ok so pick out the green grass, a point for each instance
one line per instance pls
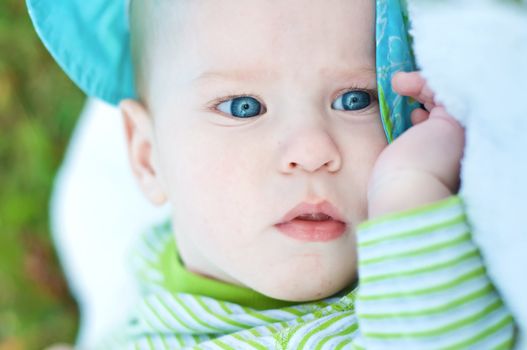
(38, 110)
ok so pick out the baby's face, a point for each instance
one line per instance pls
(259, 106)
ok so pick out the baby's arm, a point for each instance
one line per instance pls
(423, 284)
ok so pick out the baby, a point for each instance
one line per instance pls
(259, 123)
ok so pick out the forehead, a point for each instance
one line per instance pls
(276, 36)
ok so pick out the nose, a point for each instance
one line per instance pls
(310, 150)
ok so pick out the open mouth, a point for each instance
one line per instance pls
(314, 217)
(313, 223)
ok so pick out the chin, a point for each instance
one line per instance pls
(308, 287)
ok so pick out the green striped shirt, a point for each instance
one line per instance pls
(422, 285)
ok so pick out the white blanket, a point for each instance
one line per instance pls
(474, 55)
(97, 213)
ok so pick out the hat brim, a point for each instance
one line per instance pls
(90, 41)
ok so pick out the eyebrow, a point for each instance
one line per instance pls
(362, 73)
(234, 75)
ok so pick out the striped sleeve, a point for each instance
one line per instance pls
(423, 284)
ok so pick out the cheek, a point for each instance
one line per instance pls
(365, 159)
(367, 142)
(213, 179)
(362, 146)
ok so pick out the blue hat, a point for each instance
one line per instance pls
(90, 41)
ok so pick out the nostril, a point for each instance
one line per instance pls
(332, 166)
(292, 165)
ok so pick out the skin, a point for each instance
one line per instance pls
(229, 181)
(423, 165)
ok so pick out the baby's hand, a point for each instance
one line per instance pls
(422, 166)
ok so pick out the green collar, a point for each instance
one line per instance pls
(179, 280)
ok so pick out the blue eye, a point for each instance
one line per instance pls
(241, 107)
(352, 101)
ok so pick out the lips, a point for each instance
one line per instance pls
(320, 222)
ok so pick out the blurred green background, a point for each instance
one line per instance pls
(38, 110)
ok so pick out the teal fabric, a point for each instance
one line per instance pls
(394, 54)
(90, 41)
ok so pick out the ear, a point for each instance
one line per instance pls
(140, 143)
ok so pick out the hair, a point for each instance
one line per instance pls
(151, 28)
(141, 31)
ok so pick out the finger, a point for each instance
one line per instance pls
(427, 94)
(429, 106)
(419, 115)
(441, 113)
(414, 85)
(408, 84)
